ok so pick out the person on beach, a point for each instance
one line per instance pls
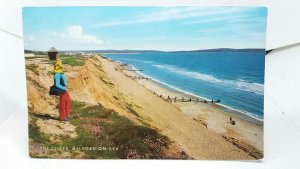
(169, 99)
(232, 121)
(60, 88)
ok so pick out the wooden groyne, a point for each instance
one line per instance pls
(183, 99)
(137, 77)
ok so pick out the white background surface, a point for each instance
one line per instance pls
(282, 94)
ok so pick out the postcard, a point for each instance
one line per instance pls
(155, 82)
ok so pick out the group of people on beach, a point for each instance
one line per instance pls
(60, 86)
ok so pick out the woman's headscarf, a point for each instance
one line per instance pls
(58, 67)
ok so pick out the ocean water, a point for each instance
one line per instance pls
(236, 78)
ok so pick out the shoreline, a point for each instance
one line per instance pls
(101, 81)
(214, 116)
(192, 95)
(247, 115)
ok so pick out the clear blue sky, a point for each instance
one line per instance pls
(158, 28)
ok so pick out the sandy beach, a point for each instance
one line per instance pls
(194, 130)
(146, 82)
(216, 117)
(202, 129)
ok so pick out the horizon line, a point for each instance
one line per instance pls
(150, 49)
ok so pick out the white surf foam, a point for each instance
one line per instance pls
(237, 84)
(254, 116)
(192, 94)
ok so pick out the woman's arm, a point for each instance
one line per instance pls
(57, 77)
(64, 79)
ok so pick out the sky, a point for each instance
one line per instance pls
(144, 28)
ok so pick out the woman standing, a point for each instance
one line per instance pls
(60, 88)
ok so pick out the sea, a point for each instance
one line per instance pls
(234, 77)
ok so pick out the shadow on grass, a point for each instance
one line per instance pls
(43, 116)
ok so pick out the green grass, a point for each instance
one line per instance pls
(73, 60)
(66, 59)
(34, 132)
(133, 141)
(66, 56)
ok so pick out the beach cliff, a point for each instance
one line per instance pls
(115, 116)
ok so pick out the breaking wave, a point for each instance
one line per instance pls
(237, 84)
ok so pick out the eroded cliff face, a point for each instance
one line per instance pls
(91, 91)
(87, 83)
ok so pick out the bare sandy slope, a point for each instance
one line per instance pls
(88, 84)
(215, 116)
(190, 134)
(101, 81)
